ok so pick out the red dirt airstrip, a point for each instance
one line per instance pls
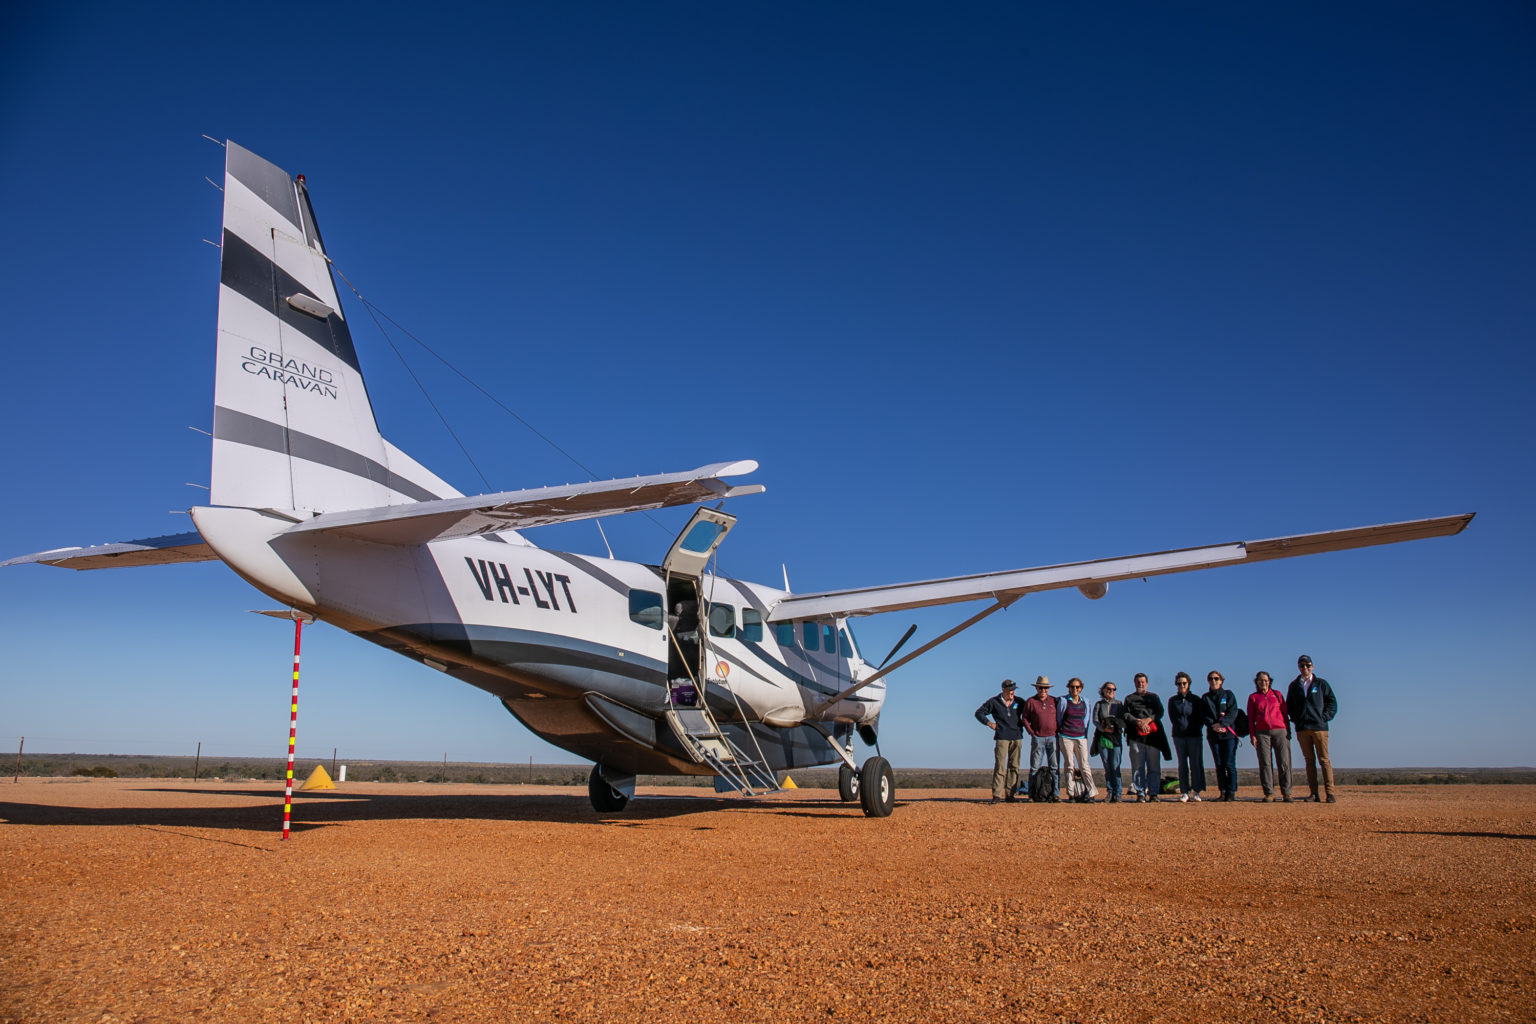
(170, 901)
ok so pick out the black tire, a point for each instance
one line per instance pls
(605, 799)
(847, 784)
(877, 788)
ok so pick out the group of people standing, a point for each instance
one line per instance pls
(1064, 730)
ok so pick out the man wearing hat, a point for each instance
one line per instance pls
(1040, 723)
(1311, 704)
(1004, 716)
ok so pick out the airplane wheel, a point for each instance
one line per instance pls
(877, 788)
(847, 784)
(605, 799)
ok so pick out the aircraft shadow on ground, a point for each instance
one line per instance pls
(322, 810)
(1458, 835)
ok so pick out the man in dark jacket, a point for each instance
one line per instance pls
(1186, 721)
(1144, 737)
(1002, 714)
(1311, 705)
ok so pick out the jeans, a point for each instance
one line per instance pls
(1146, 768)
(1005, 767)
(1191, 757)
(1042, 750)
(1073, 751)
(1273, 745)
(1224, 755)
(1110, 759)
(1314, 747)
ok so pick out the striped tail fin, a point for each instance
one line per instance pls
(292, 424)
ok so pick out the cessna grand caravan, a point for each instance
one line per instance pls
(639, 668)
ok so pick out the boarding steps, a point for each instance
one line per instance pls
(700, 735)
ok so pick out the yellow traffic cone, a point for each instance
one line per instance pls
(318, 779)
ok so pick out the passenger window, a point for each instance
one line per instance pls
(809, 635)
(752, 625)
(829, 639)
(645, 608)
(784, 633)
(844, 646)
(722, 620)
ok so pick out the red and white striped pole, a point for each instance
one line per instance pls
(293, 722)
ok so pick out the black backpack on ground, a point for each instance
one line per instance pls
(1042, 785)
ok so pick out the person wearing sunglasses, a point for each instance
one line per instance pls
(1312, 705)
(1221, 734)
(1186, 721)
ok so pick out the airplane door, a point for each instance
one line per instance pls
(691, 552)
(682, 569)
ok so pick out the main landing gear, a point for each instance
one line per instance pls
(873, 786)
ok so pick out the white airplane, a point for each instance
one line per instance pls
(641, 668)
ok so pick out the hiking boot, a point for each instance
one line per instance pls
(1268, 799)
(1330, 799)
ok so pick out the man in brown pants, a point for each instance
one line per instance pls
(1312, 705)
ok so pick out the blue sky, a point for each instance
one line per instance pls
(980, 286)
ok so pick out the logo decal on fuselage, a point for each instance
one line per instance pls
(271, 365)
(495, 581)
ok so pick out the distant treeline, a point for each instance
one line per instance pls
(138, 766)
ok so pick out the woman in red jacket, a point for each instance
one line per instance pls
(1269, 730)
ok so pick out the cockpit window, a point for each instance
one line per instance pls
(858, 648)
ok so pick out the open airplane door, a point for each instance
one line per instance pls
(687, 710)
(682, 570)
(692, 550)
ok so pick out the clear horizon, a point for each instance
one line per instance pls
(980, 289)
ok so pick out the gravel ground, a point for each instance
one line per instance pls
(142, 900)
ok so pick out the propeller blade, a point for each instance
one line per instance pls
(904, 638)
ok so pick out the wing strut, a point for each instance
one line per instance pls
(1002, 602)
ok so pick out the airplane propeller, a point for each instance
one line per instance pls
(899, 643)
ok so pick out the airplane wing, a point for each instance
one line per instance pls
(443, 519)
(178, 547)
(1092, 577)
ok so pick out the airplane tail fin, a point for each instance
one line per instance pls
(292, 425)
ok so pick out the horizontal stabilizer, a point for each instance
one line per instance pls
(448, 518)
(1007, 586)
(178, 547)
